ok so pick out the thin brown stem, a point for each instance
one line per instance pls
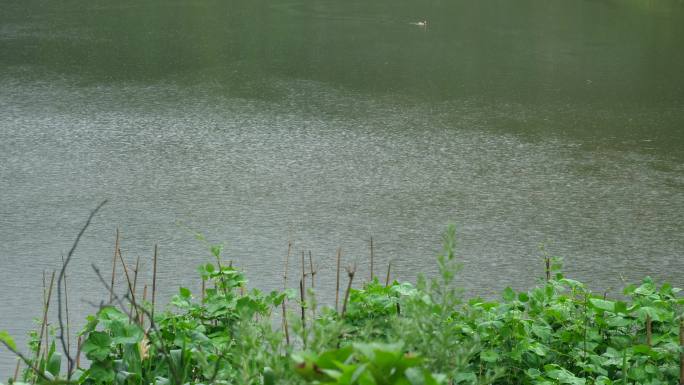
(303, 274)
(128, 280)
(287, 261)
(313, 286)
(135, 282)
(547, 262)
(337, 281)
(350, 273)
(372, 256)
(44, 324)
(301, 304)
(154, 278)
(204, 288)
(313, 273)
(16, 371)
(39, 349)
(116, 250)
(135, 274)
(144, 299)
(62, 273)
(66, 310)
(79, 343)
(387, 278)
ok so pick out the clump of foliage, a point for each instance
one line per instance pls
(556, 333)
(365, 364)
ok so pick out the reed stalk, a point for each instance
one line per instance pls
(337, 281)
(204, 288)
(144, 299)
(116, 250)
(79, 343)
(350, 273)
(649, 331)
(135, 274)
(372, 255)
(130, 285)
(301, 299)
(387, 278)
(43, 325)
(154, 281)
(16, 371)
(135, 283)
(284, 305)
(313, 286)
(40, 337)
(313, 273)
(303, 275)
(66, 309)
(547, 262)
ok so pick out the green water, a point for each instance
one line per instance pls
(323, 122)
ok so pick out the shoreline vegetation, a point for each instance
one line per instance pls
(385, 332)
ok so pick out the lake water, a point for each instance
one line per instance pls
(325, 122)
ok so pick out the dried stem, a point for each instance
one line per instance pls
(204, 288)
(313, 286)
(66, 311)
(130, 284)
(351, 270)
(303, 288)
(135, 275)
(62, 272)
(547, 262)
(287, 261)
(135, 283)
(79, 343)
(313, 272)
(337, 281)
(387, 278)
(372, 255)
(301, 298)
(43, 325)
(144, 299)
(154, 279)
(16, 371)
(116, 250)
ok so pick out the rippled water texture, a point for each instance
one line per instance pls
(326, 122)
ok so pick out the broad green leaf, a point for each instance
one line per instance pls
(54, 363)
(6, 338)
(97, 346)
(602, 304)
(489, 356)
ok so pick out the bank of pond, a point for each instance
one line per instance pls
(559, 332)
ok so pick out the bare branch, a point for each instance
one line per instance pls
(59, 288)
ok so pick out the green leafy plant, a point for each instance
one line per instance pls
(367, 364)
(558, 332)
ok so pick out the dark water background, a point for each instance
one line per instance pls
(324, 122)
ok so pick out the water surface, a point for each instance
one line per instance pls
(325, 122)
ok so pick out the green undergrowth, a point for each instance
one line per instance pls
(415, 334)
